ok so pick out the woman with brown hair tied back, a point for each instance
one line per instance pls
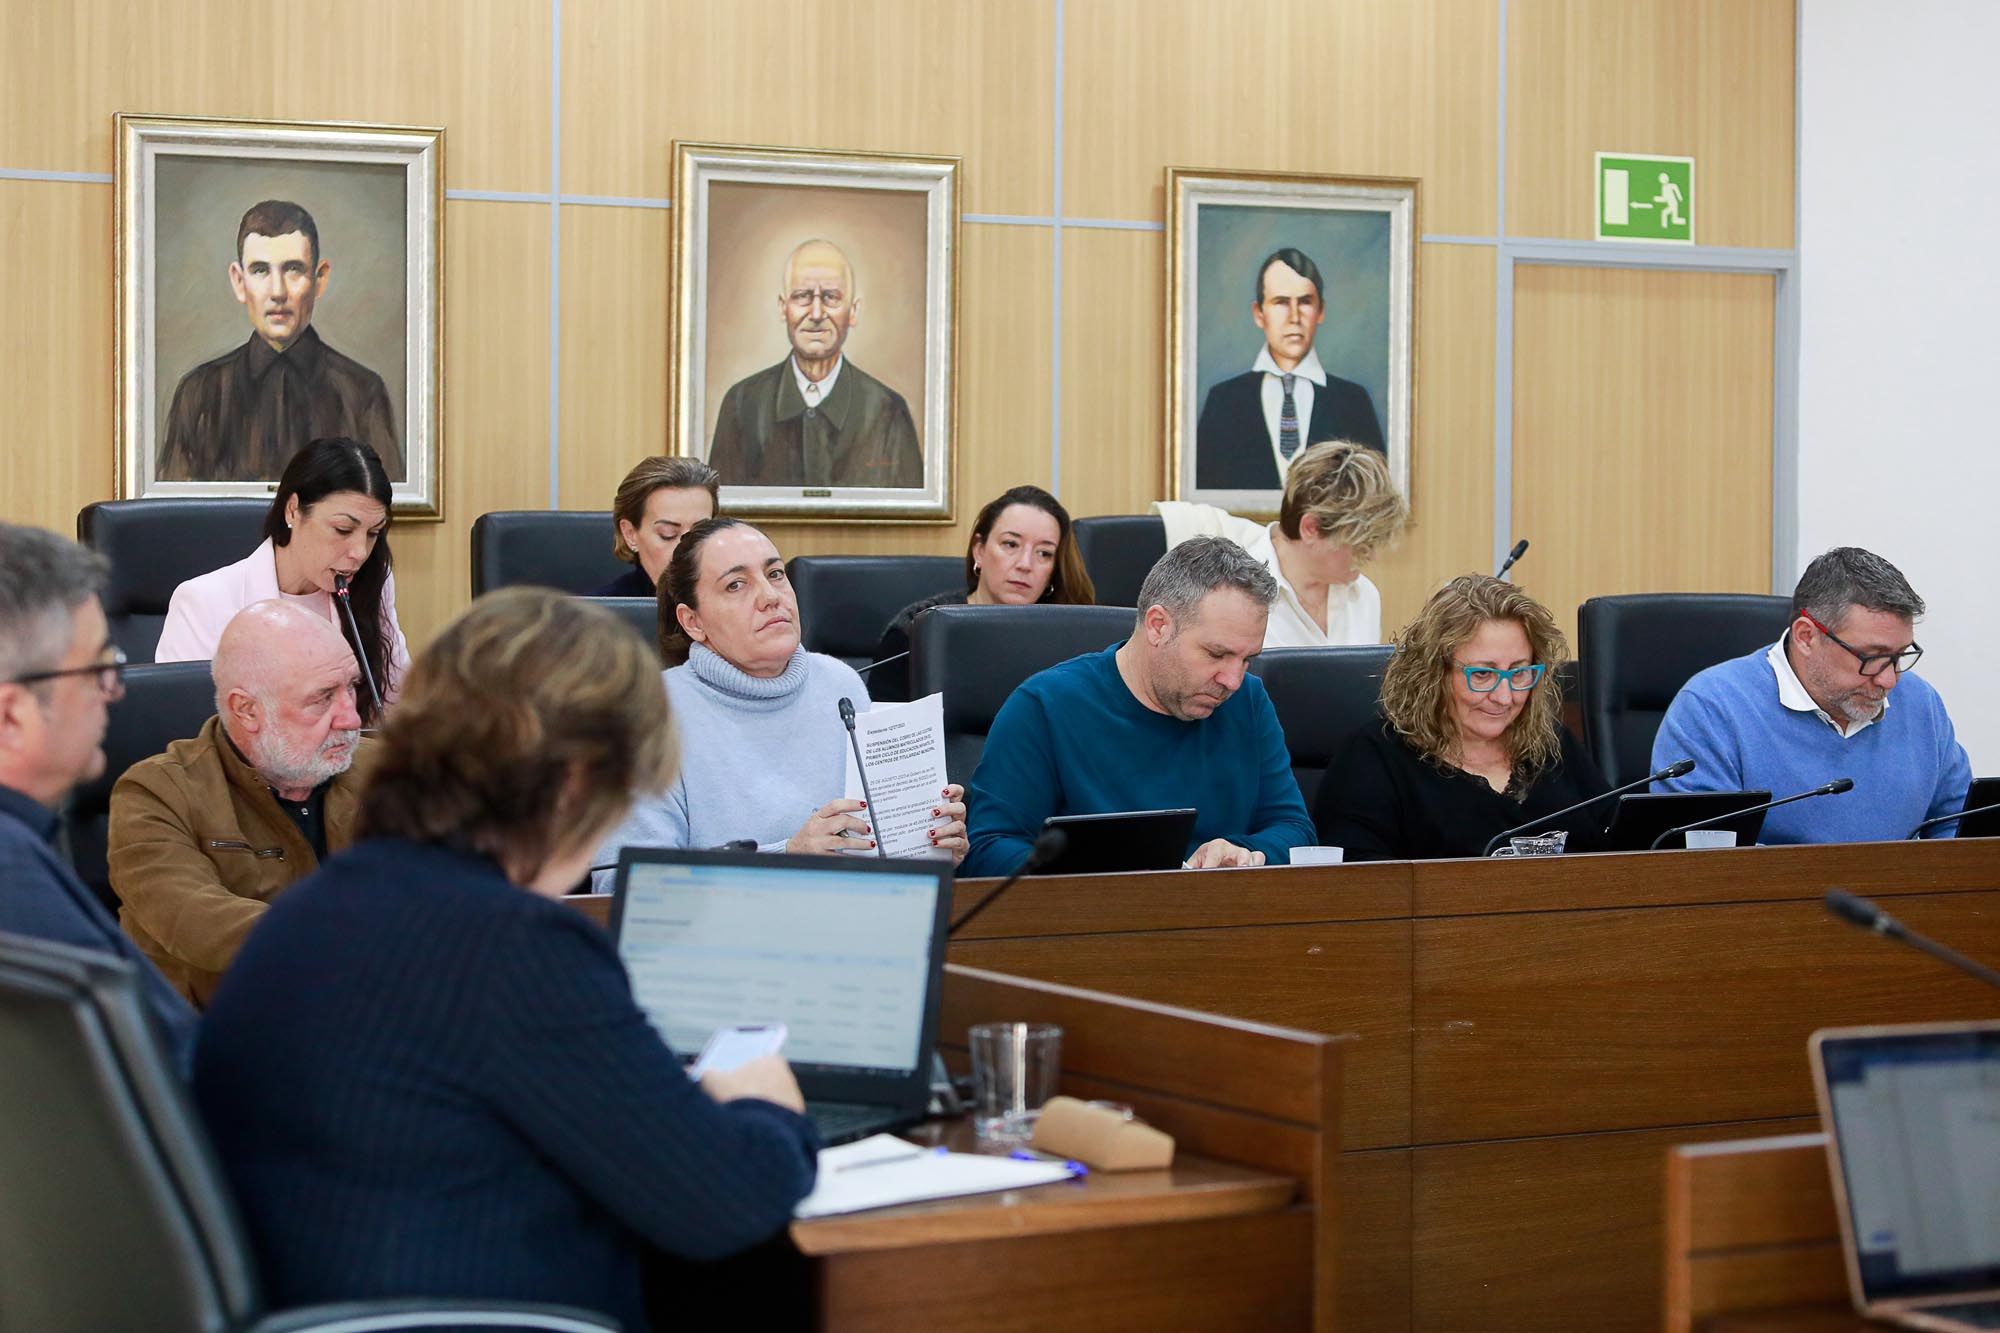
(424, 1075)
(1022, 552)
(1471, 741)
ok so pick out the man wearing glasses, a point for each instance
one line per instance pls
(1815, 706)
(816, 418)
(58, 674)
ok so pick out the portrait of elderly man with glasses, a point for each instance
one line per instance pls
(816, 418)
(59, 674)
(1816, 706)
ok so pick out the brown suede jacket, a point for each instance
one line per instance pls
(199, 847)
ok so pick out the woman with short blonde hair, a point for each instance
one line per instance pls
(1340, 510)
(1470, 740)
(400, 1068)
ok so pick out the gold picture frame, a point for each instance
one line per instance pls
(1224, 229)
(743, 367)
(355, 331)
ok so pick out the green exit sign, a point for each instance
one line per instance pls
(1645, 198)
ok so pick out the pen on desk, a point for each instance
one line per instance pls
(899, 1157)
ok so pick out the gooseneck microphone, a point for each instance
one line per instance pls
(867, 796)
(367, 674)
(1520, 549)
(1680, 768)
(1930, 824)
(1833, 788)
(892, 657)
(1862, 913)
(1046, 849)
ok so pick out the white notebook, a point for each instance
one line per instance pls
(883, 1170)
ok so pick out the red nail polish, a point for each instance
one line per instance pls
(864, 805)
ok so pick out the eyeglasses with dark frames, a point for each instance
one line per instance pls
(110, 674)
(1871, 664)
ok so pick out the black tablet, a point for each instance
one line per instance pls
(1121, 840)
(1984, 792)
(1645, 816)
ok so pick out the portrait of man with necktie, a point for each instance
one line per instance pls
(1254, 424)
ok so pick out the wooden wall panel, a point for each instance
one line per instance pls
(908, 76)
(496, 377)
(1114, 450)
(1451, 463)
(1375, 1256)
(1367, 87)
(481, 70)
(615, 305)
(1548, 1234)
(1642, 432)
(1710, 79)
(55, 351)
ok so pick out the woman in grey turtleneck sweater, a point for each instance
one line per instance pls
(762, 746)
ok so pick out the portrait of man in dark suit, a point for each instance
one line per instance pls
(816, 419)
(1254, 424)
(242, 415)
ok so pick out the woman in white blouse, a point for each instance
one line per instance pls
(1341, 508)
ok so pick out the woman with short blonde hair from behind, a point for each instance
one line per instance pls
(1340, 510)
(398, 1067)
(1470, 740)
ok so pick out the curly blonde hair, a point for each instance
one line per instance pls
(1416, 687)
(1349, 492)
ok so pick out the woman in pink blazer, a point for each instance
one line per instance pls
(327, 520)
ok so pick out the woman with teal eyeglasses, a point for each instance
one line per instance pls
(1471, 741)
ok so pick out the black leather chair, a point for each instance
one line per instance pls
(977, 654)
(641, 613)
(1322, 696)
(118, 1219)
(846, 601)
(154, 546)
(1638, 650)
(565, 549)
(1118, 551)
(164, 702)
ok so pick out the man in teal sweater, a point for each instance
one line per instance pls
(1169, 718)
(1815, 706)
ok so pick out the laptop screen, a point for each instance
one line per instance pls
(1917, 1120)
(842, 957)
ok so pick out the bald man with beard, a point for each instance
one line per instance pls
(815, 418)
(204, 836)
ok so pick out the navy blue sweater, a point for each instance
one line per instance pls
(1073, 740)
(425, 1081)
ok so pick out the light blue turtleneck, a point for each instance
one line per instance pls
(759, 754)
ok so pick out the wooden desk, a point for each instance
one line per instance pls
(1531, 1035)
(1241, 1233)
(1752, 1241)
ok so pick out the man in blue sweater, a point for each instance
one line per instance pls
(1169, 718)
(1815, 706)
(58, 676)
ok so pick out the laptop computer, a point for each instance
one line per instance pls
(1912, 1117)
(846, 952)
(1643, 816)
(1983, 792)
(1121, 840)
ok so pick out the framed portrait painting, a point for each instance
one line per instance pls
(814, 325)
(278, 282)
(1291, 316)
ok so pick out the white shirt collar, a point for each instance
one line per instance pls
(1793, 694)
(1308, 368)
(824, 387)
